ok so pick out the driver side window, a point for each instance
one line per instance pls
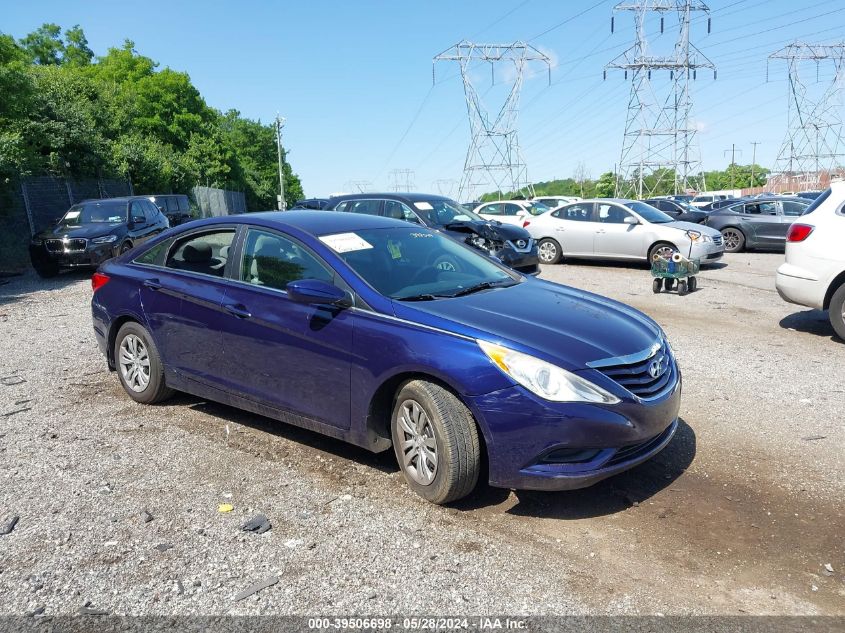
(136, 213)
(611, 214)
(273, 261)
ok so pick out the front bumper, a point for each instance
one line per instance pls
(92, 256)
(525, 262)
(521, 430)
(796, 285)
(707, 252)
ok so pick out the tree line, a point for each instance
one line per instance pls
(661, 182)
(66, 112)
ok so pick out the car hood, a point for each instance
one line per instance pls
(691, 226)
(563, 325)
(87, 231)
(496, 231)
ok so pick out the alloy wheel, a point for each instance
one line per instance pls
(665, 252)
(417, 443)
(731, 239)
(134, 362)
(547, 252)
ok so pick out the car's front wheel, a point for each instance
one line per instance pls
(436, 442)
(549, 251)
(836, 313)
(733, 239)
(139, 366)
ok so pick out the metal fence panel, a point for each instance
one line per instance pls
(214, 202)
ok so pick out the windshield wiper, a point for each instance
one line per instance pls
(484, 285)
(422, 297)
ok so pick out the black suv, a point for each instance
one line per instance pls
(512, 245)
(175, 206)
(93, 231)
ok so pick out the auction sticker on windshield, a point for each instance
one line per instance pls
(345, 242)
(423, 206)
(71, 215)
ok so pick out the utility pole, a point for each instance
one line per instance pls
(280, 123)
(815, 139)
(659, 137)
(494, 160)
(754, 145)
(732, 166)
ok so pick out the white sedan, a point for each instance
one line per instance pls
(511, 211)
(610, 228)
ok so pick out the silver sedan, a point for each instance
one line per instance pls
(612, 228)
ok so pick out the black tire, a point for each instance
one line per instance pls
(456, 443)
(836, 312)
(552, 250)
(155, 390)
(658, 247)
(682, 287)
(733, 239)
(46, 269)
(657, 285)
(693, 284)
(125, 247)
(670, 284)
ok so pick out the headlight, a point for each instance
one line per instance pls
(105, 239)
(697, 236)
(544, 379)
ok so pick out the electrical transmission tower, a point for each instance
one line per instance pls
(658, 149)
(814, 143)
(402, 180)
(446, 187)
(494, 161)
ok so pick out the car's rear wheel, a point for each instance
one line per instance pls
(436, 442)
(836, 313)
(733, 240)
(139, 366)
(549, 251)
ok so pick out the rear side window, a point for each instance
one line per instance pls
(577, 212)
(154, 256)
(818, 201)
(369, 207)
(205, 254)
(793, 208)
(183, 204)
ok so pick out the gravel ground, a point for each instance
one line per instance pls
(740, 514)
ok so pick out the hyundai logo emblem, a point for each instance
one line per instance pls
(655, 368)
(521, 243)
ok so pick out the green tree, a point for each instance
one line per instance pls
(606, 185)
(45, 45)
(77, 51)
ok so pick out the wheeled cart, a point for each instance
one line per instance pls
(668, 272)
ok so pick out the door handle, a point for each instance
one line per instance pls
(601, 231)
(237, 310)
(152, 284)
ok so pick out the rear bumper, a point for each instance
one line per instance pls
(799, 286)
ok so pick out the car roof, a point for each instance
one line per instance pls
(391, 195)
(117, 199)
(314, 222)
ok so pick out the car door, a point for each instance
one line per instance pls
(574, 229)
(513, 213)
(182, 300)
(141, 229)
(278, 352)
(155, 221)
(761, 223)
(614, 237)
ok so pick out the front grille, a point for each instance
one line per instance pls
(646, 375)
(66, 246)
(527, 245)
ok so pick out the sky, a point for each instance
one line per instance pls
(353, 78)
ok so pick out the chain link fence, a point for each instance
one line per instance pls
(216, 202)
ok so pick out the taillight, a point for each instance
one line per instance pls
(798, 232)
(525, 223)
(98, 280)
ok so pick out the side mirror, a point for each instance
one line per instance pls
(138, 219)
(629, 219)
(316, 292)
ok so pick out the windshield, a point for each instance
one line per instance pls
(649, 213)
(442, 212)
(416, 264)
(104, 211)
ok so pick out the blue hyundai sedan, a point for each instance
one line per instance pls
(345, 324)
